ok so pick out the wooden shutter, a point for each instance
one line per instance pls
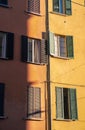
(37, 102)
(69, 45)
(43, 51)
(68, 7)
(59, 103)
(30, 96)
(73, 104)
(34, 6)
(10, 46)
(51, 41)
(2, 86)
(24, 46)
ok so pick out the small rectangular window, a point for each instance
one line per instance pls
(34, 102)
(66, 103)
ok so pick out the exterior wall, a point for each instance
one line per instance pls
(18, 75)
(69, 73)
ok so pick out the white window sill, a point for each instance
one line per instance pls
(34, 119)
(32, 13)
(59, 57)
(68, 120)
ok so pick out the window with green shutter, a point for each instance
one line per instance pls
(6, 45)
(33, 50)
(66, 103)
(34, 102)
(2, 87)
(61, 46)
(62, 6)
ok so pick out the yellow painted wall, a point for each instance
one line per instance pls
(69, 73)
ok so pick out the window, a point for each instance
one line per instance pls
(34, 102)
(66, 104)
(2, 87)
(34, 6)
(4, 2)
(33, 50)
(62, 6)
(6, 45)
(61, 46)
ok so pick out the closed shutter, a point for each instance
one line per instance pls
(59, 103)
(52, 45)
(43, 51)
(2, 87)
(34, 6)
(30, 102)
(37, 102)
(73, 104)
(68, 7)
(24, 46)
(69, 45)
(10, 46)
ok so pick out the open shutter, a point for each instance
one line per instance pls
(30, 102)
(10, 46)
(69, 45)
(43, 51)
(2, 86)
(68, 7)
(52, 45)
(59, 103)
(73, 104)
(24, 46)
(37, 102)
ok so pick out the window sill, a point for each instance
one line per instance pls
(68, 120)
(1, 58)
(3, 117)
(61, 14)
(33, 13)
(5, 6)
(33, 119)
(28, 62)
(64, 58)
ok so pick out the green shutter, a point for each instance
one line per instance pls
(59, 103)
(69, 45)
(10, 46)
(43, 51)
(51, 41)
(73, 104)
(2, 86)
(68, 7)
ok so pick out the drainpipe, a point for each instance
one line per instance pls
(48, 71)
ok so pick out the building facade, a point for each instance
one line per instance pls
(66, 61)
(23, 62)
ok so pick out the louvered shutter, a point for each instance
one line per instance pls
(2, 87)
(69, 45)
(24, 46)
(68, 7)
(59, 103)
(37, 103)
(10, 46)
(34, 6)
(51, 41)
(30, 102)
(73, 104)
(43, 51)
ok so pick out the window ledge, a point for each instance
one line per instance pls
(1, 58)
(68, 120)
(28, 62)
(3, 117)
(33, 119)
(65, 58)
(57, 13)
(5, 6)
(32, 13)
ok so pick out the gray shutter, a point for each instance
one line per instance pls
(68, 7)
(10, 46)
(30, 102)
(37, 102)
(2, 87)
(51, 41)
(59, 103)
(43, 51)
(24, 46)
(69, 45)
(73, 104)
